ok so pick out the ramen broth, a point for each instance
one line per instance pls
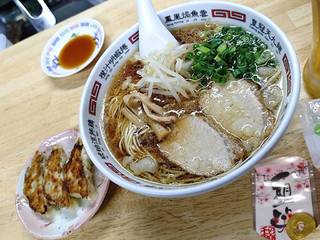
(194, 112)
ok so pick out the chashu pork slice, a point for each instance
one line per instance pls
(33, 184)
(237, 107)
(78, 172)
(54, 187)
(200, 148)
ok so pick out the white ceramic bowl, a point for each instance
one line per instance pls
(181, 15)
(49, 56)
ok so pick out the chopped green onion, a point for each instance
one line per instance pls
(317, 129)
(222, 48)
(203, 49)
(218, 59)
(189, 56)
(230, 53)
(264, 57)
(215, 43)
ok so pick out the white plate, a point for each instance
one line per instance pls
(49, 57)
(66, 220)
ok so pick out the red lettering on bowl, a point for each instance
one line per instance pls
(286, 65)
(93, 98)
(223, 13)
(134, 37)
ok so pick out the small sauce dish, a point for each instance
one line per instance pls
(72, 48)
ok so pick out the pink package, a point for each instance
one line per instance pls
(282, 187)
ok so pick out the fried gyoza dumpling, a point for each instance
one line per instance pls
(54, 187)
(33, 184)
(78, 172)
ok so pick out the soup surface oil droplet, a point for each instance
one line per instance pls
(77, 51)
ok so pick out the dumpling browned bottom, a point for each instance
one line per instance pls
(77, 179)
(54, 187)
(33, 184)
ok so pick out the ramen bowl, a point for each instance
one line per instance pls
(99, 81)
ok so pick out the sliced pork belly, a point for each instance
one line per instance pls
(237, 107)
(200, 148)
